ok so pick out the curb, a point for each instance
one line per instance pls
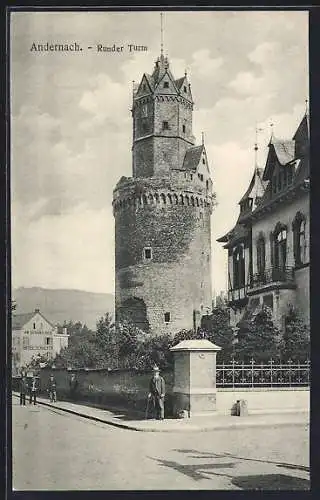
(191, 428)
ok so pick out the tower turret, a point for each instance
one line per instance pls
(162, 121)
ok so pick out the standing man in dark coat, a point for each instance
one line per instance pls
(23, 390)
(157, 393)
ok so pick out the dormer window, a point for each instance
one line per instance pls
(165, 125)
(204, 161)
(166, 85)
(144, 110)
(184, 129)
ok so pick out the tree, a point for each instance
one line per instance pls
(258, 339)
(296, 338)
(217, 329)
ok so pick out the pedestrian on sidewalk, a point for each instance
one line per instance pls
(23, 390)
(157, 393)
(34, 388)
(73, 385)
(52, 389)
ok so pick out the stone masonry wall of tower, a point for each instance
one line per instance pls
(163, 213)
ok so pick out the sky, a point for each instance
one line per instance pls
(71, 126)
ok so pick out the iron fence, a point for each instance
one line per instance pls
(272, 374)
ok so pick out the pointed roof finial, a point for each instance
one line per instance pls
(272, 131)
(202, 138)
(161, 32)
(307, 106)
(257, 130)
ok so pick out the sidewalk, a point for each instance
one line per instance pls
(120, 419)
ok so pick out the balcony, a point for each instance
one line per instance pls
(274, 277)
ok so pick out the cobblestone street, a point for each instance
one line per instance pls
(53, 450)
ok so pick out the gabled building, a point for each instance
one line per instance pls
(268, 248)
(32, 336)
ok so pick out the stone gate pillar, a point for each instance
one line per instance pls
(195, 377)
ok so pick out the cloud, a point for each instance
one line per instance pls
(204, 65)
(247, 83)
(265, 53)
(64, 251)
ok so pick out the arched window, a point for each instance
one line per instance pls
(238, 268)
(280, 247)
(163, 199)
(299, 239)
(261, 254)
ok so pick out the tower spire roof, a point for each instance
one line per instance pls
(161, 34)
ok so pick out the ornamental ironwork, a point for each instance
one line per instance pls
(271, 275)
(272, 374)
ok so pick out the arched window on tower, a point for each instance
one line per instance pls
(299, 239)
(238, 268)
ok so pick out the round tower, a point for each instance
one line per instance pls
(163, 212)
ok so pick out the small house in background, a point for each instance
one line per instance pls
(34, 336)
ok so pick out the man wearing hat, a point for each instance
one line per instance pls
(157, 393)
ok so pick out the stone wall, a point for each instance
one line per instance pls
(175, 226)
(129, 389)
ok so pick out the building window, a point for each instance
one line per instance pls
(204, 161)
(25, 342)
(238, 268)
(144, 127)
(34, 326)
(166, 85)
(207, 184)
(167, 317)
(290, 174)
(183, 129)
(261, 255)
(165, 125)
(144, 110)
(147, 253)
(280, 247)
(48, 340)
(184, 89)
(191, 177)
(144, 87)
(200, 177)
(299, 239)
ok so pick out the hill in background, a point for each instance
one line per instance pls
(63, 305)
